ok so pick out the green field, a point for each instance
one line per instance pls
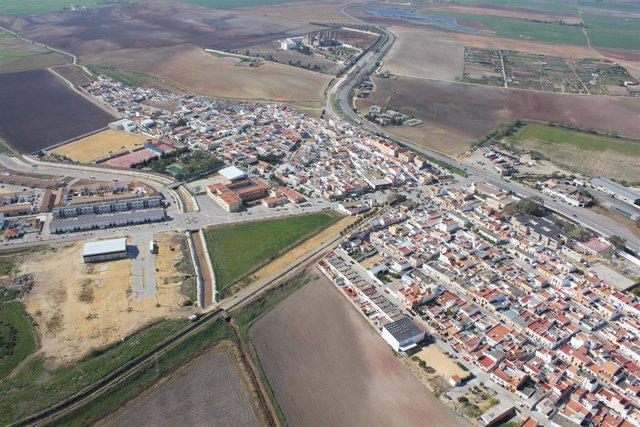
(515, 28)
(16, 336)
(14, 7)
(557, 6)
(613, 31)
(626, 6)
(584, 152)
(128, 78)
(35, 388)
(236, 251)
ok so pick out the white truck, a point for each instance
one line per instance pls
(152, 247)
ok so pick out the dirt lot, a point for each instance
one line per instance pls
(87, 150)
(454, 114)
(222, 77)
(55, 113)
(438, 58)
(211, 392)
(434, 357)
(74, 74)
(324, 362)
(79, 306)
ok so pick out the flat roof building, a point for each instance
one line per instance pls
(105, 250)
(232, 173)
(402, 334)
(616, 190)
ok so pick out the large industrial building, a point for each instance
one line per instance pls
(402, 335)
(616, 190)
(105, 250)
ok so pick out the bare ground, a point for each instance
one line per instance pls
(221, 77)
(211, 392)
(418, 54)
(79, 306)
(328, 367)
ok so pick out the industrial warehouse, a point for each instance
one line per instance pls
(104, 250)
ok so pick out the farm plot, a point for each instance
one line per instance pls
(590, 154)
(210, 393)
(613, 31)
(18, 55)
(55, 113)
(99, 145)
(439, 57)
(454, 114)
(74, 74)
(324, 362)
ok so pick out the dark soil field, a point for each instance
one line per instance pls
(74, 74)
(455, 114)
(155, 24)
(210, 393)
(328, 367)
(39, 110)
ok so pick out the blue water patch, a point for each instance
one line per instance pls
(441, 21)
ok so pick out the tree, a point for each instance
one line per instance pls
(394, 198)
(531, 206)
(619, 243)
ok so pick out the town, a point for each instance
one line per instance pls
(509, 289)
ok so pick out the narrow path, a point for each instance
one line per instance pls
(504, 72)
(584, 27)
(247, 354)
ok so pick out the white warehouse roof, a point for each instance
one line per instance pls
(232, 173)
(104, 247)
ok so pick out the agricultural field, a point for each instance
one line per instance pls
(589, 154)
(234, 252)
(440, 58)
(210, 393)
(100, 145)
(552, 6)
(162, 44)
(74, 74)
(17, 55)
(56, 113)
(547, 73)
(515, 28)
(612, 31)
(330, 365)
(455, 114)
(230, 4)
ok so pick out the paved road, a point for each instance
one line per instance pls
(144, 266)
(341, 90)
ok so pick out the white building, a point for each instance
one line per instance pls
(105, 250)
(402, 334)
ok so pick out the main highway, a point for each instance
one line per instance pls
(339, 105)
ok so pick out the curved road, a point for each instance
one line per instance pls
(339, 96)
